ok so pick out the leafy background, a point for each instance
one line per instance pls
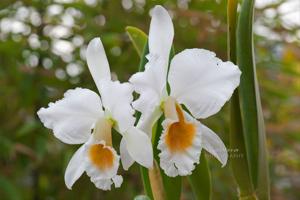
(42, 54)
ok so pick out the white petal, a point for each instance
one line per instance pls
(161, 33)
(126, 159)
(75, 167)
(72, 117)
(116, 98)
(97, 61)
(118, 180)
(103, 178)
(151, 85)
(139, 146)
(213, 144)
(146, 123)
(179, 163)
(201, 81)
(103, 184)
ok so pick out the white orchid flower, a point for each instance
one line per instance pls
(83, 117)
(198, 80)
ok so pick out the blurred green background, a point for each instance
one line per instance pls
(42, 54)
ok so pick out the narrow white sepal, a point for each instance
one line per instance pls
(97, 61)
(213, 144)
(75, 167)
(139, 146)
(116, 99)
(161, 33)
(147, 122)
(126, 159)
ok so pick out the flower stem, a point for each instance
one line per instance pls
(249, 197)
(156, 182)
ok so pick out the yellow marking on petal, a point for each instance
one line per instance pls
(180, 135)
(101, 156)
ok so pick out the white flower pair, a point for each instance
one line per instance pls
(197, 79)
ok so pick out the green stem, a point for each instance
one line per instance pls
(146, 181)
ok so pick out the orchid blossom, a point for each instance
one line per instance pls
(198, 80)
(83, 117)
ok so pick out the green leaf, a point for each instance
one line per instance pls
(172, 186)
(251, 112)
(239, 162)
(142, 197)
(138, 38)
(200, 180)
(10, 191)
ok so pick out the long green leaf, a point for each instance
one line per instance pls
(138, 38)
(253, 124)
(239, 163)
(200, 180)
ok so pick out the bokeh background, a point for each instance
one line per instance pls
(42, 54)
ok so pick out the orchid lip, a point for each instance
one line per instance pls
(101, 156)
(180, 134)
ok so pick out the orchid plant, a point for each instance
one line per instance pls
(192, 85)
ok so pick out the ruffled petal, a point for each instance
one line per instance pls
(126, 159)
(161, 33)
(201, 81)
(72, 117)
(182, 162)
(139, 146)
(116, 98)
(105, 184)
(213, 144)
(101, 174)
(97, 61)
(118, 180)
(75, 167)
(94, 171)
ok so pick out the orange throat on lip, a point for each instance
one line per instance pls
(101, 156)
(180, 135)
